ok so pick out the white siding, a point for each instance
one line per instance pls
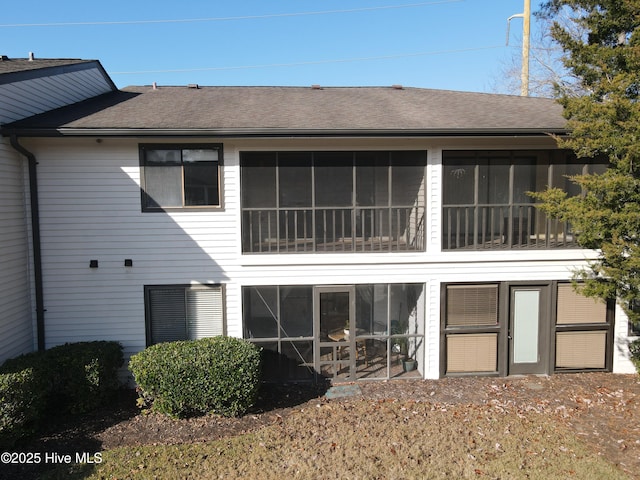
(621, 359)
(30, 97)
(90, 209)
(16, 329)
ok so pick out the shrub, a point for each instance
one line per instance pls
(75, 377)
(634, 348)
(85, 374)
(21, 405)
(211, 375)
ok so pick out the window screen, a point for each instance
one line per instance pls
(302, 202)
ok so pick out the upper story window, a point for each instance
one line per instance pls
(485, 200)
(180, 176)
(297, 202)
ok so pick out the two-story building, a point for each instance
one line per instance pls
(341, 229)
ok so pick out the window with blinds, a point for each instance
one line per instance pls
(575, 308)
(581, 350)
(469, 305)
(471, 329)
(183, 312)
(581, 331)
(472, 353)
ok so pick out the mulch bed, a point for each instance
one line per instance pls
(602, 408)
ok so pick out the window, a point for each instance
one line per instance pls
(176, 312)
(471, 328)
(634, 328)
(484, 330)
(301, 202)
(486, 203)
(582, 329)
(180, 176)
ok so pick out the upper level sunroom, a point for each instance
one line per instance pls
(486, 200)
(341, 201)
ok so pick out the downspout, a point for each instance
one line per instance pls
(35, 238)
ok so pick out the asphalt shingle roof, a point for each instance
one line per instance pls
(14, 65)
(278, 110)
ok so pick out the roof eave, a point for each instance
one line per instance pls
(278, 132)
(52, 70)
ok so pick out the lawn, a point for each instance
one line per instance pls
(371, 439)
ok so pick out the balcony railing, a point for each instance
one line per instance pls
(502, 227)
(306, 230)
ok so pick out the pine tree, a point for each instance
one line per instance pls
(603, 121)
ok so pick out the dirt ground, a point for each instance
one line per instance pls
(602, 408)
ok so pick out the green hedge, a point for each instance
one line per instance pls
(71, 378)
(22, 402)
(211, 375)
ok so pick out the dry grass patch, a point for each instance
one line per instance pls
(364, 439)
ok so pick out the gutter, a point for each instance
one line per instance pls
(35, 238)
(280, 132)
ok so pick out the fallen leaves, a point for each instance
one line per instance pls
(599, 408)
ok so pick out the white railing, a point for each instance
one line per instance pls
(360, 229)
(502, 226)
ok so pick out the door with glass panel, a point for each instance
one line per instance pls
(335, 332)
(528, 330)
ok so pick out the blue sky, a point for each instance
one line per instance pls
(444, 44)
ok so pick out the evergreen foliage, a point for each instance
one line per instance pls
(195, 377)
(71, 378)
(603, 121)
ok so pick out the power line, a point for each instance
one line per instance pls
(224, 19)
(315, 62)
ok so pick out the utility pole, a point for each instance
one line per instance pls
(526, 34)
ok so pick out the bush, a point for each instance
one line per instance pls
(21, 405)
(85, 374)
(211, 375)
(634, 348)
(75, 377)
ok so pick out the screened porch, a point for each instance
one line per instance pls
(311, 202)
(337, 332)
(487, 202)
